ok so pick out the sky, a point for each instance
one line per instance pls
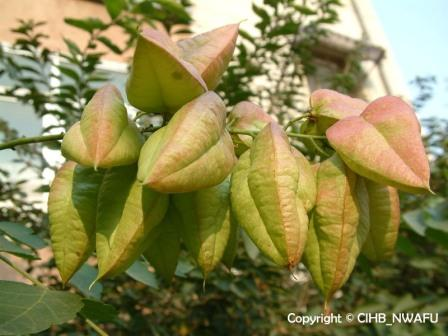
(418, 33)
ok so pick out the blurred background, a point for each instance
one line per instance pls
(55, 53)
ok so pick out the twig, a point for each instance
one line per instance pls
(291, 122)
(243, 132)
(24, 141)
(95, 327)
(21, 272)
(305, 136)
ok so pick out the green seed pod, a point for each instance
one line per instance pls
(104, 137)
(338, 226)
(127, 212)
(306, 189)
(205, 223)
(384, 210)
(232, 244)
(210, 53)
(265, 197)
(194, 151)
(247, 116)
(160, 81)
(164, 245)
(328, 106)
(72, 212)
(384, 145)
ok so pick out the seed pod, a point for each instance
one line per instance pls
(160, 81)
(384, 209)
(72, 212)
(384, 145)
(194, 151)
(232, 244)
(127, 212)
(210, 52)
(265, 197)
(205, 223)
(247, 116)
(328, 106)
(164, 245)
(306, 189)
(104, 137)
(337, 228)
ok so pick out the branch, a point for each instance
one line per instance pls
(21, 272)
(24, 141)
(291, 122)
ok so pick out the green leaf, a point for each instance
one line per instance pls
(88, 25)
(114, 7)
(22, 234)
(26, 309)
(12, 248)
(183, 268)
(83, 279)
(98, 311)
(175, 8)
(139, 271)
(251, 249)
(415, 221)
(108, 43)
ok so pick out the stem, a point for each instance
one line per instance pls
(291, 122)
(305, 136)
(318, 148)
(24, 141)
(21, 272)
(95, 327)
(243, 132)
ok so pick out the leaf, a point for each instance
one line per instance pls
(251, 249)
(328, 106)
(12, 248)
(205, 223)
(108, 43)
(114, 7)
(210, 52)
(88, 25)
(28, 309)
(72, 212)
(176, 8)
(247, 116)
(384, 145)
(384, 217)
(415, 221)
(22, 234)
(104, 137)
(160, 81)
(139, 271)
(82, 280)
(164, 245)
(265, 199)
(98, 311)
(334, 240)
(127, 212)
(194, 151)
